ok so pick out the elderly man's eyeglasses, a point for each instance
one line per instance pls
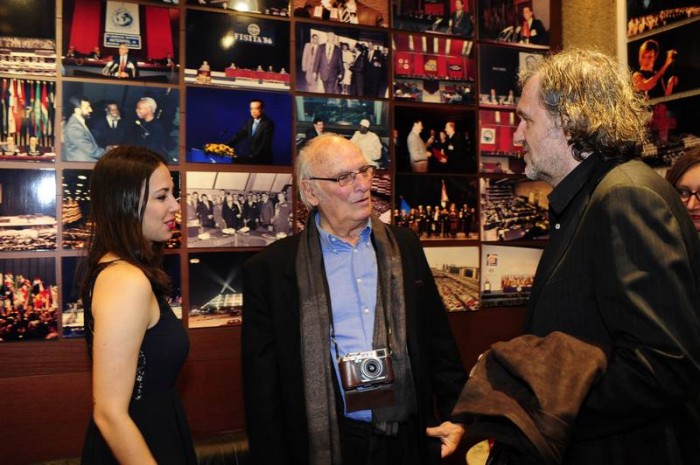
(345, 179)
(686, 195)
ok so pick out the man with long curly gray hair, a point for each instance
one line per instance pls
(621, 270)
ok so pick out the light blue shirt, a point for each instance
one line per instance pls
(351, 272)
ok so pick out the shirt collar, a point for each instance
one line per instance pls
(566, 190)
(332, 242)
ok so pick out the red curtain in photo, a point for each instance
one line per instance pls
(435, 9)
(403, 63)
(159, 39)
(85, 29)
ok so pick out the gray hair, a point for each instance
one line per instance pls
(595, 102)
(150, 102)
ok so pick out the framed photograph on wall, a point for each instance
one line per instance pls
(434, 69)
(498, 153)
(235, 50)
(437, 208)
(98, 117)
(361, 12)
(445, 17)
(514, 209)
(222, 127)
(75, 209)
(119, 40)
(507, 274)
(27, 132)
(498, 70)
(265, 7)
(27, 210)
(456, 274)
(644, 17)
(674, 128)
(237, 209)
(364, 122)
(525, 23)
(29, 298)
(341, 60)
(216, 296)
(672, 52)
(73, 312)
(435, 140)
(28, 38)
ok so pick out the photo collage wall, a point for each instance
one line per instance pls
(426, 89)
(664, 56)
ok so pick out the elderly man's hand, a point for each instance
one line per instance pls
(450, 434)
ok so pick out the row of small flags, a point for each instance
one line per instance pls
(27, 109)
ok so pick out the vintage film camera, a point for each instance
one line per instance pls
(363, 370)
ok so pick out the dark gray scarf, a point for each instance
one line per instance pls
(314, 316)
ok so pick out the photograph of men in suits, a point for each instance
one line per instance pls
(148, 130)
(460, 22)
(622, 266)
(123, 66)
(314, 297)
(110, 130)
(258, 131)
(78, 142)
(328, 65)
(375, 77)
(308, 60)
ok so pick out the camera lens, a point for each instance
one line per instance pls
(371, 368)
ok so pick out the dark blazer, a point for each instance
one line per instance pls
(132, 68)
(260, 143)
(540, 36)
(329, 70)
(106, 135)
(375, 74)
(622, 271)
(310, 134)
(462, 26)
(459, 158)
(272, 379)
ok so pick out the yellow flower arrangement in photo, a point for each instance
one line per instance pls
(219, 149)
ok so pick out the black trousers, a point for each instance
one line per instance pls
(361, 444)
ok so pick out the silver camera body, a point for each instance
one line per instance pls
(368, 369)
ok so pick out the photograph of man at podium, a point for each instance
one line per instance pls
(122, 66)
(258, 130)
(123, 41)
(238, 127)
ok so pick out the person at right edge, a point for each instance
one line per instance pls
(621, 271)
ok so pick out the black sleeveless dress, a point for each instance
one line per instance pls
(155, 405)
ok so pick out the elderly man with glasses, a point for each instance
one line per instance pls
(347, 352)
